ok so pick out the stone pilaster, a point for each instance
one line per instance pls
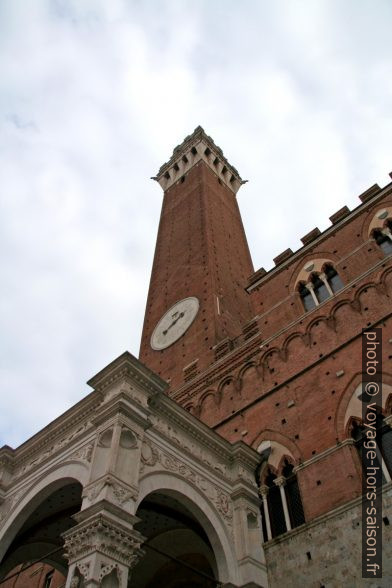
(103, 543)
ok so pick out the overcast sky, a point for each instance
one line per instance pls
(95, 94)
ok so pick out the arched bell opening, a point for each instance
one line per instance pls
(178, 553)
(39, 536)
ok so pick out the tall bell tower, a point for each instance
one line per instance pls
(201, 263)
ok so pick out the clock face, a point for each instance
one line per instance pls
(174, 323)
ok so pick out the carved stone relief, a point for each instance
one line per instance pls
(153, 456)
(105, 537)
(49, 451)
(120, 493)
(187, 444)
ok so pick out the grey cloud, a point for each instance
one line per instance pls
(95, 95)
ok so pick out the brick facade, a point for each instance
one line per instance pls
(272, 359)
(37, 575)
(284, 375)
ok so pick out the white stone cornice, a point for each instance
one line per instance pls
(73, 423)
(123, 405)
(174, 413)
(7, 457)
(246, 455)
(126, 366)
(198, 147)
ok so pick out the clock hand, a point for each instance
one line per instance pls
(173, 323)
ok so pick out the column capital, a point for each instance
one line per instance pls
(263, 490)
(103, 540)
(324, 279)
(388, 420)
(280, 481)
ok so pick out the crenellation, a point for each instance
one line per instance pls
(309, 237)
(195, 148)
(339, 215)
(369, 193)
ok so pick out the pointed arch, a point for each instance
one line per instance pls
(350, 404)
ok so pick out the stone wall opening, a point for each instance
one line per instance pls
(39, 536)
(178, 553)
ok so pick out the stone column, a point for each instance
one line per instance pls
(384, 468)
(263, 491)
(323, 278)
(281, 482)
(103, 544)
(309, 286)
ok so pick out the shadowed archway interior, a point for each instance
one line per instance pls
(178, 552)
(40, 534)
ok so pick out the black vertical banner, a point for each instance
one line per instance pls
(371, 456)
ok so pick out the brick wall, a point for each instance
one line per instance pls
(34, 576)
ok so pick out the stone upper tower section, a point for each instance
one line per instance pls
(198, 147)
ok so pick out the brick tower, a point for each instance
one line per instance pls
(197, 298)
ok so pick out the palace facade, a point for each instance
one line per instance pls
(231, 452)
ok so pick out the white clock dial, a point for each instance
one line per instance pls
(174, 323)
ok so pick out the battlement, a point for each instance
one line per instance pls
(198, 147)
(315, 236)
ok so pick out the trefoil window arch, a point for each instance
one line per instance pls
(281, 508)
(383, 237)
(320, 286)
(383, 444)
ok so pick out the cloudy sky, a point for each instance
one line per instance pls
(94, 96)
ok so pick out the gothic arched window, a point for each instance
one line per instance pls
(282, 508)
(306, 296)
(275, 506)
(293, 496)
(333, 278)
(383, 237)
(384, 445)
(321, 286)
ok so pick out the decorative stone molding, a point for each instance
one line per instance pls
(49, 450)
(106, 569)
(126, 368)
(169, 463)
(84, 453)
(103, 540)
(149, 455)
(110, 488)
(8, 504)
